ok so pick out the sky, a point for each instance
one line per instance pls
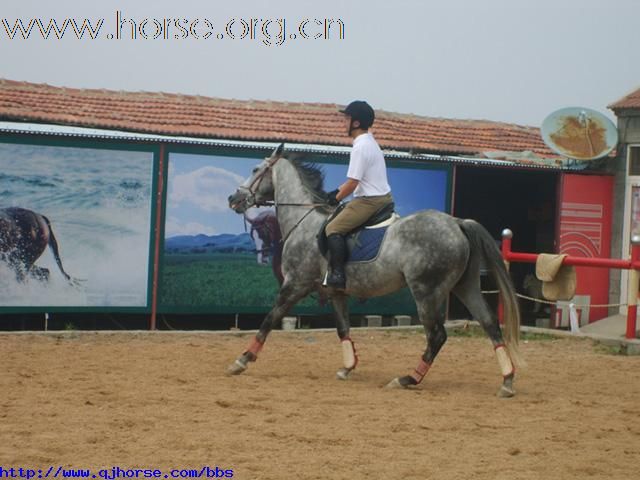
(198, 187)
(503, 60)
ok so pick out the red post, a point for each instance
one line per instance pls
(633, 285)
(507, 235)
(158, 229)
(506, 251)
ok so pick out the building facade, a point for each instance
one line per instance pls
(135, 187)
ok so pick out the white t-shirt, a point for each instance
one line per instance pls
(366, 165)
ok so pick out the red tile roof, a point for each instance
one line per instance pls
(197, 116)
(631, 101)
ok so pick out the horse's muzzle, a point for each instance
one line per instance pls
(240, 201)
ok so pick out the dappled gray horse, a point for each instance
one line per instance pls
(429, 251)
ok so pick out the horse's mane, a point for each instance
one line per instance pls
(312, 178)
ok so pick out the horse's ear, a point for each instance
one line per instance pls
(278, 151)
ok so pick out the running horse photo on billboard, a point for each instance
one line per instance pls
(429, 251)
(24, 236)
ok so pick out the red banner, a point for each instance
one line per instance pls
(586, 204)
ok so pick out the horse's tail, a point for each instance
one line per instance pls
(53, 244)
(482, 242)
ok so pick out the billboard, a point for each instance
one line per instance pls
(217, 261)
(75, 226)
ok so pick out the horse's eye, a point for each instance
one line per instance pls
(255, 170)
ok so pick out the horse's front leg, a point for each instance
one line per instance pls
(287, 297)
(349, 355)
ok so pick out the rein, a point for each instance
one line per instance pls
(270, 203)
(311, 207)
(253, 187)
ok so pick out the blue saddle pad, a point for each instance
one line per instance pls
(364, 245)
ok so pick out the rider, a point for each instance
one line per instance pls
(366, 179)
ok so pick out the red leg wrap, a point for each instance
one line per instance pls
(255, 346)
(420, 371)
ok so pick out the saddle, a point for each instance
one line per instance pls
(363, 242)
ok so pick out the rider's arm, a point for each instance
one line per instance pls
(347, 188)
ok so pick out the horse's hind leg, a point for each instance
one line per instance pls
(39, 273)
(349, 355)
(469, 293)
(432, 317)
(287, 297)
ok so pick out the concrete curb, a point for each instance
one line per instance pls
(628, 346)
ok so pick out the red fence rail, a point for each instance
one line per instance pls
(632, 264)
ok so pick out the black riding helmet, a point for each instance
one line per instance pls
(361, 111)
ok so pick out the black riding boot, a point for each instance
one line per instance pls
(337, 256)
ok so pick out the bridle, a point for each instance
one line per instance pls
(252, 189)
(250, 200)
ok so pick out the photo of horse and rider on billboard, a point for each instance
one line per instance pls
(216, 258)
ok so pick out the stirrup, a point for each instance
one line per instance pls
(338, 283)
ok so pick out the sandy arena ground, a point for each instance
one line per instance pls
(163, 401)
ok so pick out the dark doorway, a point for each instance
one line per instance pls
(522, 200)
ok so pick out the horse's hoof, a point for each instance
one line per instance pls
(343, 373)
(236, 368)
(506, 392)
(395, 383)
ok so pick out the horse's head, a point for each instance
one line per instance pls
(258, 189)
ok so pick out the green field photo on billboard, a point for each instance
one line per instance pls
(217, 261)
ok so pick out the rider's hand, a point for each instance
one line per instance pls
(331, 198)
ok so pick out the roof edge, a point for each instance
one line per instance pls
(21, 128)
